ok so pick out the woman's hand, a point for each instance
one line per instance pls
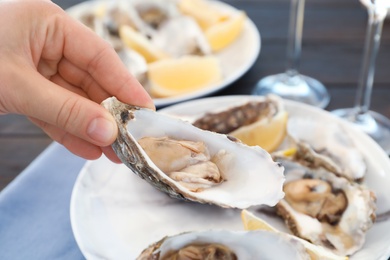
(56, 71)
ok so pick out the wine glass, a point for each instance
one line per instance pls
(374, 124)
(291, 84)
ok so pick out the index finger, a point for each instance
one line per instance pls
(92, 54)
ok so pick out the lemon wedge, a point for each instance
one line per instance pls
(202, 11)
(252, 222)
(171, 77)
(268, 134)
(138, 42)
(224, 33)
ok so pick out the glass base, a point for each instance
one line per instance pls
(374, 124)
(295, 87)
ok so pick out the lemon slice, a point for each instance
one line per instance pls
(138, 42)
(173, 77)
(224, 33)
(251, 222)
(203, 12)
(268, 134)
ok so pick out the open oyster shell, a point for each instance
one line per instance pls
(189, 38)
(249, 176)
(226, 245)
(329, 146)
(325, 209)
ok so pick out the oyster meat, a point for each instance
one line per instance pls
(229, 245)
(192, 164)
(230, 119)
(325, 209)
(189, 163)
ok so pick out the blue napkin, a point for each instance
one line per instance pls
(34, 209)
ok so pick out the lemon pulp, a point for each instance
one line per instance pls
(224, 33)
(172, 77)
(266, 133)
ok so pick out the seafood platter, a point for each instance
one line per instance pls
(157, 38)
(234, 177)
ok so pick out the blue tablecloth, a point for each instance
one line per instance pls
(34, 209)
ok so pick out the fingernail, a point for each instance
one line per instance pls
(102, 130)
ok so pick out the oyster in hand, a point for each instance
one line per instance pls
(193, 164)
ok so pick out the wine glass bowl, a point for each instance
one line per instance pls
(291, 84)
(374, 124)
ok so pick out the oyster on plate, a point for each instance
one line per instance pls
(325, 209)
(106, 18)
(170, 30)
(329, 146)
(192, 164)
(229, 245)
(153, 13)
(229, 119)
(260, 122)
(105, 21)
(189, 38)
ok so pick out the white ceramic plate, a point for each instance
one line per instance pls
(115, 214)
(235, 60)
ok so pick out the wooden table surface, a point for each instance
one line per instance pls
(333, 39)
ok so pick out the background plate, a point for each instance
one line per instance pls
(115, 214)
(235, 60)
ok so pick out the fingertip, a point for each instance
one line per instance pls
(138, 96)
(110, 154)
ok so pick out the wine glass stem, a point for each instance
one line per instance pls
(373, 36)
(295, 36)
